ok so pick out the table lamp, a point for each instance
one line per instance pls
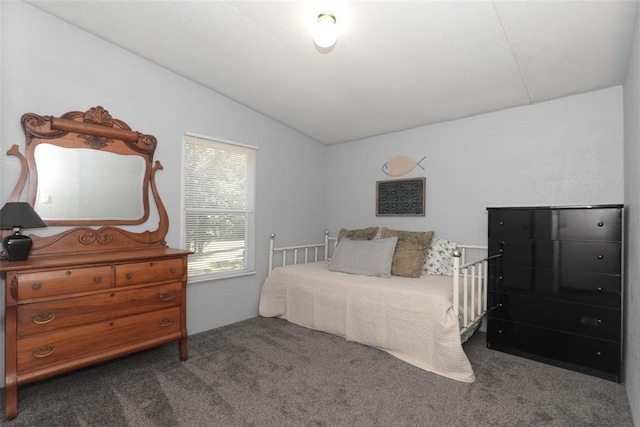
(16, 216)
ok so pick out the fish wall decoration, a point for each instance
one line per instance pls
(401, 165)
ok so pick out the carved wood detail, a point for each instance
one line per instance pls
(14, 288)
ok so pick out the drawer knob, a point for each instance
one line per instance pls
(163, 323)
(129, 275)
(501, 223)
(600, 289)
(173, 269)
(600, 224)
(36, 286)
(68, 272)
(44, 351)
(166, 296)
(44, 318)
(97, 279)
(599, 353)
(600, 256)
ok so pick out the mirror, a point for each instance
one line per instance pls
(86, 169)
(83, 184)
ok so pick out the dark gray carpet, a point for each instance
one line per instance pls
(268, 372)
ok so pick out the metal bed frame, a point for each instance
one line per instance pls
(469, 279)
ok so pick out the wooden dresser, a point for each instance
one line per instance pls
(555, 294)
(63, 313)
(98, 289)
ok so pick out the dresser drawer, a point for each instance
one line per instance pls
(149, 271)
(597, 224)
(597, 257)
(511, 223)
(72, 344)
(61, 282)
(567, 285)
(597, 322)
(584, 354)
(47, 316)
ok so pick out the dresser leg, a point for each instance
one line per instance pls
(182, 345)
(11, 401)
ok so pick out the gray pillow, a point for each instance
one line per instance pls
(365, 257)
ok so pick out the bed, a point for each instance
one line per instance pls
(411, 318)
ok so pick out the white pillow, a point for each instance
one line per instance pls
(365, 257)
(439, 258)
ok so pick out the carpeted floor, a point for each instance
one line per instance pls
(268, 372)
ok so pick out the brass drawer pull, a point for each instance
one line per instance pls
(44, 351)
(166, 296)
(36, 286)
(68, 273)
(163, 323)
(129, 275)
(44, 318)
(173, 269)
(97, 279)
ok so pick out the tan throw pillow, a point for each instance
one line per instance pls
(358, 234)
(411, 251)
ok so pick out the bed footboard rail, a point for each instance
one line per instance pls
(470, 283)
(302, 253)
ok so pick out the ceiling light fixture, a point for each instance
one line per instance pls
(325, 32)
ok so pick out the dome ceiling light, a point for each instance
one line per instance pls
(325, 33)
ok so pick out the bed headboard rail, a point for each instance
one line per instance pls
(309, 253)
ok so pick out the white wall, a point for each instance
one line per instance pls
(49, 67)
(632, 201)
(567, 151)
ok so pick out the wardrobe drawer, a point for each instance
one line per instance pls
(592, 321)
(582, 224)
(567, 285)
(596, 257)
(583, 354)
(61, 282)
(597, 224)
(511, 223)
(47, 316)
(72, 344)
(149, 271)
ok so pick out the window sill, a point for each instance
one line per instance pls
(219, 276)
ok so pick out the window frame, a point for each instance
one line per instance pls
(250, 239)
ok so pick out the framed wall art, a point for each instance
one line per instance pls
(400, 197)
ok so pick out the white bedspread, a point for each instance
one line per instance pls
(411, 319)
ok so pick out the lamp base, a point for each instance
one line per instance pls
(17, 247)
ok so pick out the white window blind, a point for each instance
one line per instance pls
(219, 207)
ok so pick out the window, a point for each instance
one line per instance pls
(218, 193)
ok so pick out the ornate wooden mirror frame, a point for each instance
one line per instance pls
(94, 129)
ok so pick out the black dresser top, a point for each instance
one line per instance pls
(612, 206)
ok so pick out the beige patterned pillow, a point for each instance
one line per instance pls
(411, 251)
(358, 233)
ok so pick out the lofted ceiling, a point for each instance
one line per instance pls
(396, 65)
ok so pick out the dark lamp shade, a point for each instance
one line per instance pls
(19, 215)
(15, 216)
